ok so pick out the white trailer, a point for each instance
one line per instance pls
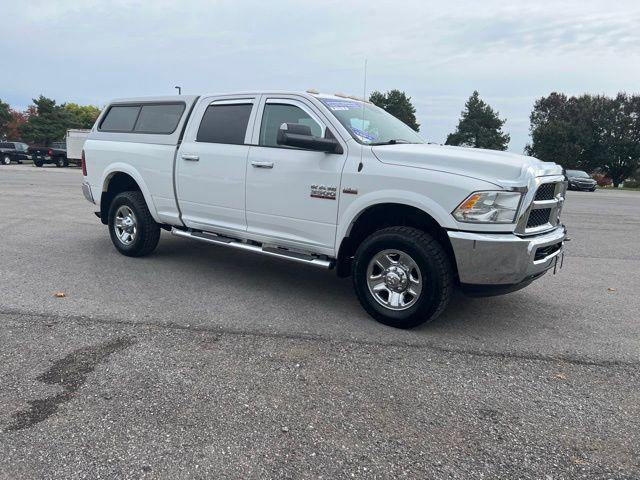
(75, 143)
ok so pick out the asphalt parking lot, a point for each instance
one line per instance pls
(200, 362)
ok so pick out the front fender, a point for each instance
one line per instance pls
(402, 197)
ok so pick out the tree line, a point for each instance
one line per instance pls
(44, 121)
(594, 133)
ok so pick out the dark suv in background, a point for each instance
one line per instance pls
(13, 152)
(579, 180)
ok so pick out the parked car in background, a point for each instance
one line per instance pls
(579, 180)
(75, 143)
(43, 155)
(13, 152)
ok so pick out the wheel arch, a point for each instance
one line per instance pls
(382, 215)
(121, 179)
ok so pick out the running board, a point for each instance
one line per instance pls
(237, 244)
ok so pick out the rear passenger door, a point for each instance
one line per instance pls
(211, 164)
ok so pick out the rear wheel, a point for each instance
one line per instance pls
(133, 230)
(402, 277)
(62, 162)
(38, 163)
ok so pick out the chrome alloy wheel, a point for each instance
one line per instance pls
(394, 279)
(125, 225)
(6, 160)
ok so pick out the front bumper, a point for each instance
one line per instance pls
(505, 259)
(86, 190)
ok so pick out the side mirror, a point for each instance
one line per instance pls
(299, 136)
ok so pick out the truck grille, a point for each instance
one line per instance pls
(544, 211)
(538, 217)
(546, 191)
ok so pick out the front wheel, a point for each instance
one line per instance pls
(38, 163)
(6, 160)
(133, 230)
(402, 277)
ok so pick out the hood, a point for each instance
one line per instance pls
(581, 179)
(501, 168)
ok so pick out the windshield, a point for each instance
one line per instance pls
(577, 173)
(371, 125)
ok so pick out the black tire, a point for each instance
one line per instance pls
(147, 231)
(434, 266)
(62, 162)
(38, 163)
(6, 160)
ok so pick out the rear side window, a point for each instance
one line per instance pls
(159, 118)
(225, 123)
(120, 118)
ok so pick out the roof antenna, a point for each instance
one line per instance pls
(364, 100)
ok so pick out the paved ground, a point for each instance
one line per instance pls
(202, 362)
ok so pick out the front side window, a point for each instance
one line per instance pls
(159, 119)
(120, 118)
(275, 114)
(369, 124)
(225, 123)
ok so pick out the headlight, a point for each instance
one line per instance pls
(489, 207)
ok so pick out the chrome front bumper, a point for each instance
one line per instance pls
(504, 259)
(86, 190)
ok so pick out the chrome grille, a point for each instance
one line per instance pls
(546, 191)
(538, 217)
(543, 213)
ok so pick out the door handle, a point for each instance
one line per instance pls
(191, 158)
(257, 164)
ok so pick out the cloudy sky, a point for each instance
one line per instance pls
(437, 51)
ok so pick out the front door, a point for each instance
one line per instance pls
(211, 165)
(292, 194)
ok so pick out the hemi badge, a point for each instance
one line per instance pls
(353, 191)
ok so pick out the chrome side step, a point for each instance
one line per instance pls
(237, 244)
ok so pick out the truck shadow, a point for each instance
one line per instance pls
(321, 291)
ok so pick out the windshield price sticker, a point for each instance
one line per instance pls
(364, 136)
(337, 105)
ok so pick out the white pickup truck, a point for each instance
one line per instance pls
(329, 181)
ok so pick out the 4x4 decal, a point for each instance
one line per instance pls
(323, 191)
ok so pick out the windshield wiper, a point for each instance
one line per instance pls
(393, 141)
